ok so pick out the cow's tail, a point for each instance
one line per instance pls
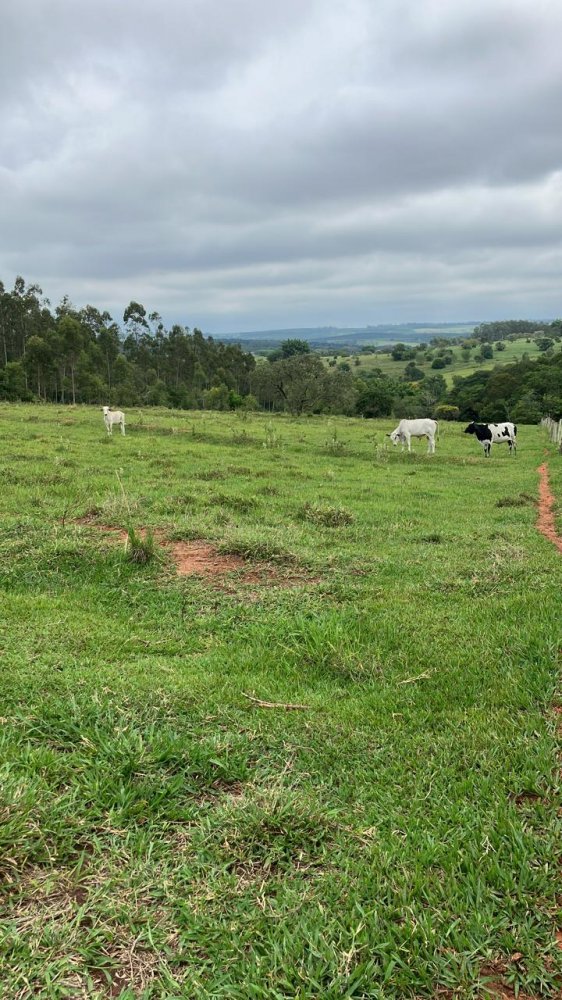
(437, 429)
(515, 430)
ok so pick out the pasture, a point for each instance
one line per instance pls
(514, 351)
(165, 832)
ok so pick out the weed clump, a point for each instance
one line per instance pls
(329, 517)
(259, 551)
(241, 504)
(272, 438)
(242, 438)
(209, 474)
(521, 501)
(117, 508)
(140, 550)
(334, 446)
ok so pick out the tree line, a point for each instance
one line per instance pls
(70, 355)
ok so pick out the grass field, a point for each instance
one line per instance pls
(164, 834)
(514, 351)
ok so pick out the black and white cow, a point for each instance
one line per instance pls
(489, 434)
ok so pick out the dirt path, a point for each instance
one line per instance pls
(545, 521)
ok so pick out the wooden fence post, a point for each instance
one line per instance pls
(554, 430)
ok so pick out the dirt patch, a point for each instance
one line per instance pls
(496, 987)
(546, 522)
(202, 559)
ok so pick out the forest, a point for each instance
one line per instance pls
(82, 355)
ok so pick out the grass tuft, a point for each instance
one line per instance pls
(140, 549)
(328, 517)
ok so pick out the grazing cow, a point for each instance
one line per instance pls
(407, 429)
(489, 434)
(111, 417)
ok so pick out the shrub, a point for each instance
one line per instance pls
(446, 412)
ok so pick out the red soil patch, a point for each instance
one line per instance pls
(496, 986)
(545, 522)
(200, 558)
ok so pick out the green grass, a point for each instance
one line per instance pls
(514, 351)
(164, 836)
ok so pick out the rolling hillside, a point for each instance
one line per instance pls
(514, 351)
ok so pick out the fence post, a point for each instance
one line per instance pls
(554, 430)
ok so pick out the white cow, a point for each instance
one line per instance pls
(111, 417)
(407, 429)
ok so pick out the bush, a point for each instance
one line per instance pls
(446, 412)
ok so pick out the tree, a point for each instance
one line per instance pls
(299, 382)
(38, 360)
(339, 394)
(13, 385)
(446, 412)
(109, 345)
(412, 373)
(375, 399)
(432, 390)
(135, 322)
(294, 346)
(72, 337)
(544, 343)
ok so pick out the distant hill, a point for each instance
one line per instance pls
(332, 336)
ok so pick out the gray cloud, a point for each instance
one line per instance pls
(235, 166)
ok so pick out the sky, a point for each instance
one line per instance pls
(239, 165)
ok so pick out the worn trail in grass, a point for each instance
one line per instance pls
(163, 835)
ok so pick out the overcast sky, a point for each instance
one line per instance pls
(244, 165)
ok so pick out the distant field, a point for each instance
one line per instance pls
(339, 338)
(513, 352)
(170, 829)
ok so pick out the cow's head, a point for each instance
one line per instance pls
(105, 410)
(471, 429)
(396, 437)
